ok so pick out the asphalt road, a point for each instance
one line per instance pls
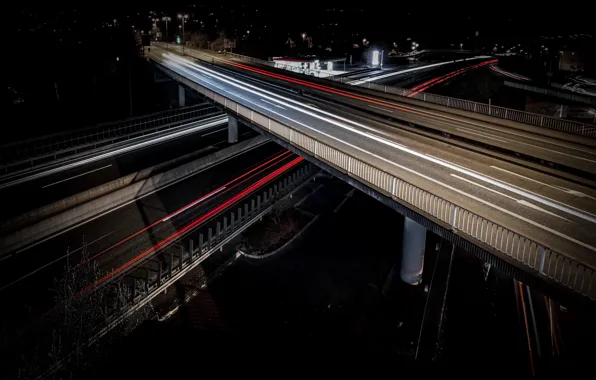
(27, 278)
(47, 189)
(551, 211)
(570, 156)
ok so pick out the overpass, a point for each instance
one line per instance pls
(473, 192)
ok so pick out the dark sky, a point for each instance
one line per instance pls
(490, 17)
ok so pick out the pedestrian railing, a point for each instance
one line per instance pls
(26, 154)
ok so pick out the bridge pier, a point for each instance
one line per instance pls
(232, 129)
(181, 96)
(413, 245)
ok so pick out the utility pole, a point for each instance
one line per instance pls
(166, 19)
(130, 87)
(183, 19)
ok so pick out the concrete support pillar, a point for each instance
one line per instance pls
(232, 130)
(412, 260)
(181, 96)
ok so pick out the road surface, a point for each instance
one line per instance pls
(552, 211)
(112, 240)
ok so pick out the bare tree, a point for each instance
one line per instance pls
(81, 311)
(219, 42)
(277, 212)
(199, 40)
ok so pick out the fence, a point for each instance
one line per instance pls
(559, 94)
(32, 152)
(563, 125)
(537, 258)
(139, 286)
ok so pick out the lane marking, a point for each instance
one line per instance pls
(449, 165)
(525, 136)
(524, 143)
(210, 133)
(119, 151)
(418, 112)
(520, 201)
(482, 135)
(273, 104)
(507, 184)
(536, 224)
(410, 109)
(380, 108)
(560, 188)
(77, 176)
(58, 233)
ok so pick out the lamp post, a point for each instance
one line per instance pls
(183, 19)
(166, 19)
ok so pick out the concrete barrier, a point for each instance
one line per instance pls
(123, 191)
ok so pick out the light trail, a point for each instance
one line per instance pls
(433, 82)
(507, 73)
(370, 79)
(258, 169)
(196, 222)
(198, 126)
(447, 164)
(338, 92)
(185, 229)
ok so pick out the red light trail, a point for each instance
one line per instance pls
(195, 223)
(345, 93)
(255, 171)
(432, 82)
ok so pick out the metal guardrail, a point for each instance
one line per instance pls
(28, 153)
(563, 125)
(141, 284)
(535, 257)
(559, 94)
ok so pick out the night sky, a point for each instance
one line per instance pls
(77, 47)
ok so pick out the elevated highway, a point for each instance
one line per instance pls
(532, 216)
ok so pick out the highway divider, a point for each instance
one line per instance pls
(49, 221)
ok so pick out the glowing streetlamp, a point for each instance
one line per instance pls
(166, 19)
(183, 19)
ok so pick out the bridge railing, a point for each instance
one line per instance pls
(563, 125)
(534, 256)
(24, 154)
(138, 286)
(558, 124)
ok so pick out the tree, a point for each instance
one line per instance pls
(72, 326)
(219, 42)
(199, 40)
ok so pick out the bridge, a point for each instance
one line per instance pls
(517, 194)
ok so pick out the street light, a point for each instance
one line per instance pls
(183, 18)
(303, 36)
(166, 19)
